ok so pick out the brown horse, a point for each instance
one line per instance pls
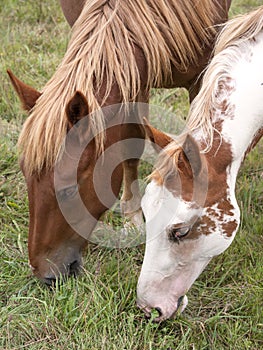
(117, 52)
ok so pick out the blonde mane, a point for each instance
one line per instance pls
(101, 53)
(234, 35)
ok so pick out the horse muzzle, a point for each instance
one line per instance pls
(162, 311)
(58, 274)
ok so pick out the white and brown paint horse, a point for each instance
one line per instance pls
(190, 206)
(117, 52)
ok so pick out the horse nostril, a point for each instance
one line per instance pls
(159, 311)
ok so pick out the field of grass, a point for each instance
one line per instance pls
(98, 310)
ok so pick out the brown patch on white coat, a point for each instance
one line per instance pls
(187, 172)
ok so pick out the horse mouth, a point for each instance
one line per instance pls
(74, 268)
(71, 270)
(181, 304)
(156, 314)
(146, 310)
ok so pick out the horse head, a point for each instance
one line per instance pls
(66, 195)
(191, 216)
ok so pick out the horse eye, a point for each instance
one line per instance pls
(67, 193)
(176, 232)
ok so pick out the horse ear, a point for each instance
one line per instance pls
(191, 156)
(157, 137)
(77, 108)
(26, 93)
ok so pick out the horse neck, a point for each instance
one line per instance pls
(238, 118)
(244, 125)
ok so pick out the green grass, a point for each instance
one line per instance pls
(98, 310)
